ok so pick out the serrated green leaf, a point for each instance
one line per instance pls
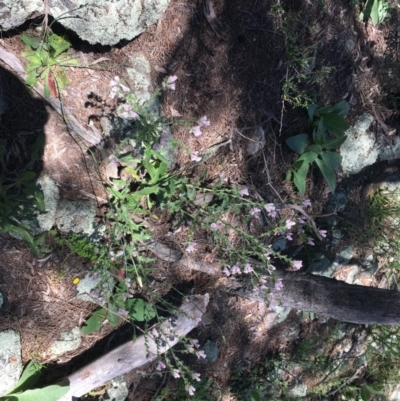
(94, 322)
(297, 143)
(49, 393)
(328, 173)
(332, 159)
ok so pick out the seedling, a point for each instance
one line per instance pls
(328, 133)
(47, 62)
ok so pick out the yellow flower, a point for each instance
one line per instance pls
(76, 280)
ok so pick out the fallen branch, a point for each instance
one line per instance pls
(72, 123)
(134, 354)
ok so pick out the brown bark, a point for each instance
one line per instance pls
(329, 297)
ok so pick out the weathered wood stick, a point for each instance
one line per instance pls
(134, 354)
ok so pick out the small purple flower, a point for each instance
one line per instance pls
(254, 211)
(122, 312)
(270, 207)
(204, 122)
(194, 343)
(289, 237)
(191, 247)
(125, 88)
(201, 354)
(289, 224)
(236, 269)
(226, 271)
(297, 264)
(161, 365)
(322, 233)
(278, 284)
(114, 81)
(196, 131)
(310, 241)
(307, 203)
(215, 226)
(196, 376)
(171, 82)
(194, 157)
(176, 373)
(191, 390)
(247, 268)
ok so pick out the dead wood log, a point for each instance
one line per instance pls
(134, 354)
(72, 123)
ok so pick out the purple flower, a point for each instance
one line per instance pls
(171, 82)
(236, 269)
(297, 264)
(196, 131)
(307, 203)
(289, 224)
(289, 237)
(201, 354)
(122, 312)
(247, 268)
(194, 157)
(226, 271)
(191, 247)
(278, 284)
(215, 226)
(310, 241)
(114, 81)
(270, 207)
(176, 373)
(125, 88)
(254, 211)
(161, 365)
(322, 233)
(191, 390)
(196, 376)
(204, 122)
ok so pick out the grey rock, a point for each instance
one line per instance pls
(118, 391)
(93, 288)
(279, 245)
(51, 195)
(70, 341)
(360, 148)
(299, 390)
(76, 216)
(139, 77)
(10, 360)
(108, 21)
(343, 257)
(389, 151)
(211, 350)
(321, 266)
(14, 13)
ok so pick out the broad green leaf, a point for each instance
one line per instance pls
(365, 394)
(299, 178)
(311, 110)
(332, 159)
(140, 310)
(29, 377)
(255, 395)
(112, 315)
(336, 123)
(140, 237)
(375, 12)
(328, 174)
(31, 79)
(94, 322)
(341, 108)
(308, 157)
(373, 391)
(49, 393)
(297, 143)
(314, 148)
(319, 132)
(334, 143)
(147, 191)
(30, 41)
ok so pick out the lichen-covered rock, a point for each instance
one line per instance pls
(14, 13)
(108, 21)
(70, 341)
(10, 360)
(360, 148)
(75, 216)
(51, 195)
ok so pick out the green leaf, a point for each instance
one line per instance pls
(373, 391)
(314, 148)
(365, 394)
(30, 41)
(94, 322)
(49, 393)
(336, 123)
(328, 174)
(29, 377)
(299, 178)
(334, 143)
(308, 157)
(341, 108)
(31, 79)
(311, 110)
(255, 395)
(297, 143)
(288, 175)
(112, 315)
(332, 159)
(140, 310)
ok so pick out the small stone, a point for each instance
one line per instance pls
(70, 341)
